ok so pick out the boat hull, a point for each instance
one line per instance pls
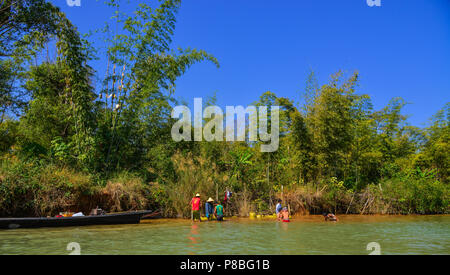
(110, 219)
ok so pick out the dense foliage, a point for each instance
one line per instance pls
(66, 145)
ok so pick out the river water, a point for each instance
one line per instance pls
(304, 235)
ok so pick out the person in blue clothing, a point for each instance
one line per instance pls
(278, 209)
(209, 209)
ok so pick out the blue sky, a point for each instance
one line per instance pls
(400, 49)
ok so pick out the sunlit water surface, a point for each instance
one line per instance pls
(304, 235)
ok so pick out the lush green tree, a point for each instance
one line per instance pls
(25, 26)
(436, 151)
(137, 114)
(20, 19)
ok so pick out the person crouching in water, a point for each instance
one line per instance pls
(285, 215)
(209, 209)
(330, 217)
(218, 212)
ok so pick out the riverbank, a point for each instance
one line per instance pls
(29, 189)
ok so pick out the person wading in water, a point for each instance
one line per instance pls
(278, 209)
(330, 217)
(285, 215)
(209, 209)
(195, 203)
(218, 212)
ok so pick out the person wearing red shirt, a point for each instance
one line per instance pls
(195, 203)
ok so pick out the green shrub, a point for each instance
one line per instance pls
(417, 192)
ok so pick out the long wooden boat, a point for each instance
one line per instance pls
(109, 219)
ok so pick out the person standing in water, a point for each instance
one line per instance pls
(218, 212)
(209, 209)
(278, 209)
(195, 203)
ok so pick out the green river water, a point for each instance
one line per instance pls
(304, 235)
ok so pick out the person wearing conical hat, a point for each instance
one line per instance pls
(209, 208)
(195, 203)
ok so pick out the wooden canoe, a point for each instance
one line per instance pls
(109, 219)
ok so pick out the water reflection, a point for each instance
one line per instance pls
(194, 238)
(284, 237)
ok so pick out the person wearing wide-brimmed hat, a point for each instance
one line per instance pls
(209, 208)
(195, 203)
